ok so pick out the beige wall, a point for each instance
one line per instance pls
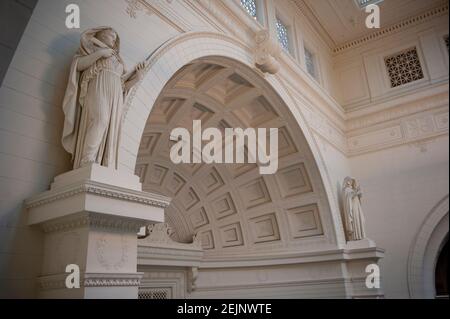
(401, 186)
(14, 18)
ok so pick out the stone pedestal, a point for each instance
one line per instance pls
(362, 260)
(91, 217)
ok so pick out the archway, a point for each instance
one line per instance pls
(441, 273)
(180, 52)
(234, 209)
(425, 251)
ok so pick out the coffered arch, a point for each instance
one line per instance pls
(165, 62)
(234, 209)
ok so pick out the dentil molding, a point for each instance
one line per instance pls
(92, 280)
(92, 220)
(95, 188)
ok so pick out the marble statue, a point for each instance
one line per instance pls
(94, 100)
(353, 214)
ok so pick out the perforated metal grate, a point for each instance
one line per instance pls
(404, 67)
(155, 293)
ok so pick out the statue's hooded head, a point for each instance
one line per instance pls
(106, 35)
(348, 182)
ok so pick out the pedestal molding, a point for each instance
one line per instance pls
(99, 189)
(92, 280)
(93, 220)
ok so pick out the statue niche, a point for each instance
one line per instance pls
(94, 100)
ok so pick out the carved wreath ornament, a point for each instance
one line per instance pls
(101, 252)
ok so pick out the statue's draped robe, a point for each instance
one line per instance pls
(93, 108)
(354, 218)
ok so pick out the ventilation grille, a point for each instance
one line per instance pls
(404, 67)
(155, 293)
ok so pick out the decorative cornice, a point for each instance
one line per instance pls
(99, 189)
(402, 124)
(397, 112)
(411, 21)
(93, 220)
(413, 130)
(264, 260)
(66, 224)
(112, 280)
(92, 280)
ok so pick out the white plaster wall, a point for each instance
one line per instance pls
(337, 165)
(14, 18)
(401, 186)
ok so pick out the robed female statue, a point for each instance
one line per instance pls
(353, 214)
(94, 101)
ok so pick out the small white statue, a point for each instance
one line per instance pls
(353, 214)
(94, 99)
